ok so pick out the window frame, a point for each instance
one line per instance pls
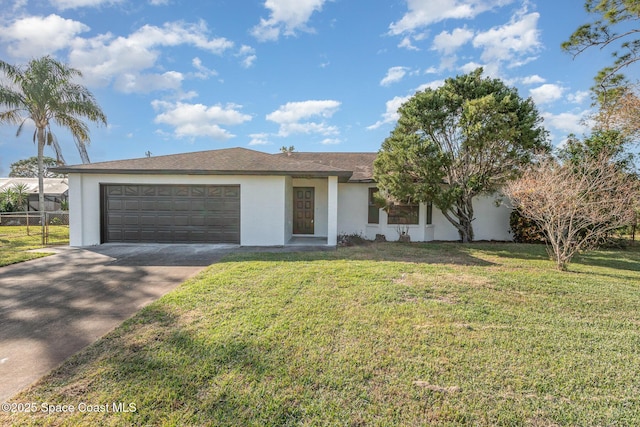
(396, 217)
(373, 211)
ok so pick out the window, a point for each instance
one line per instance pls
(429, 213)
(374, 210)
(403, 214)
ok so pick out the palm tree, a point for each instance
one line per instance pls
(44, 92)
(21, 199)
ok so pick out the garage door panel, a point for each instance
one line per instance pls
(163, 236)
(196, 205)
(131, 235)
(181, 205)
(198, 220)
(148, 205)
(114, 219)
(131, 190)
(148, 190)
(164, 191)
(131, 205)
(164, 205)
(130, 220)
(198, 192)
(164, 220)
(171, 213)
(181, 220)
(114, 204)
(181, 191)
(149, 220)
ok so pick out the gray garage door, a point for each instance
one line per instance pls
(171, 213)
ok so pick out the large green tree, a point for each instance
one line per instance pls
(45, 92)
(451, 144)
(28, 168)
(614, 28)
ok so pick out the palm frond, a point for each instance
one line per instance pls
(46, 91)
(21, 126)
(53, 142)
(11, 117)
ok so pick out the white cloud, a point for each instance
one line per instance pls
(259, 139)
(287, 17)
(435, 84)
(146, 83)
(407, 44)
(391, 114)
(296, 111)
(567, 122)
(202, 71)
(330, 141)
(448, 43)
(105, 57)
(247, 56)
(126, 61)
(394, 75)
(546, 93)
(293, 117)
(74, 4)
(36, 35)
(19, 4)
(579, 97)
(422, 13)
(511, 42)
(531, 80)
(198, 120)
(469, 67)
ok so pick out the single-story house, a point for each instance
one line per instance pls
(250, 198)
(56, 191)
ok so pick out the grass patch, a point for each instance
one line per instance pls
(388, 334)
(15, 242)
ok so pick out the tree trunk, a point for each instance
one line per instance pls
(463, 212)
(41, 208)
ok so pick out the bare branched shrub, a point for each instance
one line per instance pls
(576, 204)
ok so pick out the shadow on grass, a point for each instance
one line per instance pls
(524, 251)
(168, 370)
(619, 259)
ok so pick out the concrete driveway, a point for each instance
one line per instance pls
(52, 307)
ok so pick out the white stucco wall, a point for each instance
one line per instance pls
(262, 204)
(288, 208)
(353, 208)
(491, 223)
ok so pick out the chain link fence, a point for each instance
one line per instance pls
(54, 231)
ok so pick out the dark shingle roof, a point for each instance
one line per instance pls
(355, 167)
(361, 164)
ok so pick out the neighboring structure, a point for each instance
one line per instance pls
(249, 198)
(56, 191)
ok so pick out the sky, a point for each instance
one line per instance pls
(176, 76)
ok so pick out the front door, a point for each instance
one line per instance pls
(303, 208)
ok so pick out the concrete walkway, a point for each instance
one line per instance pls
(52, 307)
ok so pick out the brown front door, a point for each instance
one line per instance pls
(303, 208)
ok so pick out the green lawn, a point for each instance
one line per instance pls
(381, 335)
(15, 242)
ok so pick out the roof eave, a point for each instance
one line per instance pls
(343, 176)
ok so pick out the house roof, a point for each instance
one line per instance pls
(51, 185)
(241, 161)
(361, 164)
